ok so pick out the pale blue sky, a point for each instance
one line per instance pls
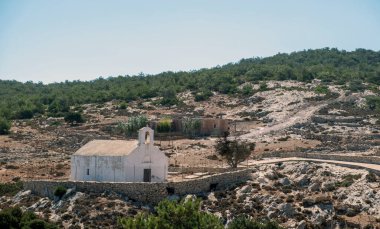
(57, 40)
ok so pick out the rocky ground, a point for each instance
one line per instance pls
(304, 195)
(287, 116)
(296, 194)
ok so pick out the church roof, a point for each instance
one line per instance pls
(107, 148)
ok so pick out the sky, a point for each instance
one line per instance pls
(55, 40)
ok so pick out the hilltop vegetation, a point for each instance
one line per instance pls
(24, 100)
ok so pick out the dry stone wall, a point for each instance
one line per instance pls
(336, 157)
(201, 169)
(144, 192)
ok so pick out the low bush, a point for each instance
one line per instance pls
(171, 214)
(322, 89)
(202, 96)
(10, 188)
(74, 117)
(5, 126)
(14, 218)
(371, 177)
(122, 106)
(60, 191)
(348, 180)
(164, 125)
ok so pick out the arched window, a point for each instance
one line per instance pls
(147, 137)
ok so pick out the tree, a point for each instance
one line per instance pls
(73, 117)
(356, 85)
(191, 126)
(5, 125)
(373, 102)
(132, 125)
(247, 90)
(169, 97)
(233, 150)
(170, 215)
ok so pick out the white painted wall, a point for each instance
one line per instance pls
(128, 168)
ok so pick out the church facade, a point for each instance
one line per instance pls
(120, 160)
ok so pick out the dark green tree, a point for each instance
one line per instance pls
(73, 117)
(233, 150)
(5, 126)
(169, 97)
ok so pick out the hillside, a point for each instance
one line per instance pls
(272, 103)
(24, 100)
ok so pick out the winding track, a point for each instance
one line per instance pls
(356, 165)
(303, 115)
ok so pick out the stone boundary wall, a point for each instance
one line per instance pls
(201, 169)
(144, 192)
(336, 119)
(336, 157)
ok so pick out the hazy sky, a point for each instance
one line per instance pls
(55, 40)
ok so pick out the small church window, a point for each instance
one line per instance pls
(147, 138)
(88, 172)
(214, 125)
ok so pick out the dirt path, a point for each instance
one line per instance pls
(355, 165)
(301, 116)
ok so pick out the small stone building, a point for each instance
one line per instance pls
(214, 126)
(120, 160)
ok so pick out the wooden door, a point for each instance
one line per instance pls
(147, 175)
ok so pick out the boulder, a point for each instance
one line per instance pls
(315, 187)
(302, 180)
(286, 209)
(285, 181)
(328, 186)
(301, 224)
(308, 202)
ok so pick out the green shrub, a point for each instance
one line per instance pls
(24, 113)
(60, 191)
(15, 218)
(169, 97)
(10, 188)
(73, 117)
(123, 106)
(356, 85)
(171, 215)
(247, 90)
(164, 125)
(5, 126)
(321, 89)
(371, 177)
(263, 86)
(132, 125)
(191, 127)
(233, 150)
(348, 180)
(243, 222)
(203, 95)
(373, 102)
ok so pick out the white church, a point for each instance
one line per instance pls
(120, 160)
